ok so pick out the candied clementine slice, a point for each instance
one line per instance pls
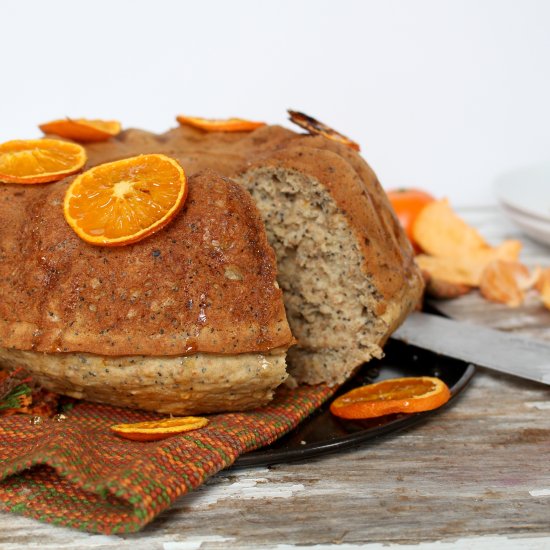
(39, 160)
(159, 429)
(219, 124)
(123, 202)
(82, 129)
(314, 126)
(398, 395)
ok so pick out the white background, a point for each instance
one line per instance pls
(443, 95)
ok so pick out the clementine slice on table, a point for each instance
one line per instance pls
(81, 129)
(39, 160)
(159, 429)
(314, 126)
(398, 395)
(219, 125)
(122, 202)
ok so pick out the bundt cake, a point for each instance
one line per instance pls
(191, 319)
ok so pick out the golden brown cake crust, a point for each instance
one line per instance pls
(206, 283)
(352, 183)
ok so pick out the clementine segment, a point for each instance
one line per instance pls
(219, 125)
(159, 429)
(123, 202)
(81, 129)
(398, 395)
(39, 160)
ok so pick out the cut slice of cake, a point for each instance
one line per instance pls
(345, 267)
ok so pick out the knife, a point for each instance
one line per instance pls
(486, 347)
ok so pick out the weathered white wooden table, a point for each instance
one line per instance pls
(476, 475)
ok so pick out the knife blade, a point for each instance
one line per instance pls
(486, 347)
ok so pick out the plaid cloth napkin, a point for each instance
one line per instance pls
(71, 470)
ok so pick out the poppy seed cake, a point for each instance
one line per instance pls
(344, 265)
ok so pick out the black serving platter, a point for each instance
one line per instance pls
(323, 433)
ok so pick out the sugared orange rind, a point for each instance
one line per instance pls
(82, 129)
(30, 161)
(398, 395)
(159, 429)
(122, 202)
(220, 125)
(314, 126)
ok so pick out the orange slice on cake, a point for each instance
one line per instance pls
(39, 160)
(82, 129)
(219, 124)
(123, 202)
(314, 126)
(397, 395)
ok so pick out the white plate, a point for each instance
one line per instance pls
(526, 190)
(536, 228)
